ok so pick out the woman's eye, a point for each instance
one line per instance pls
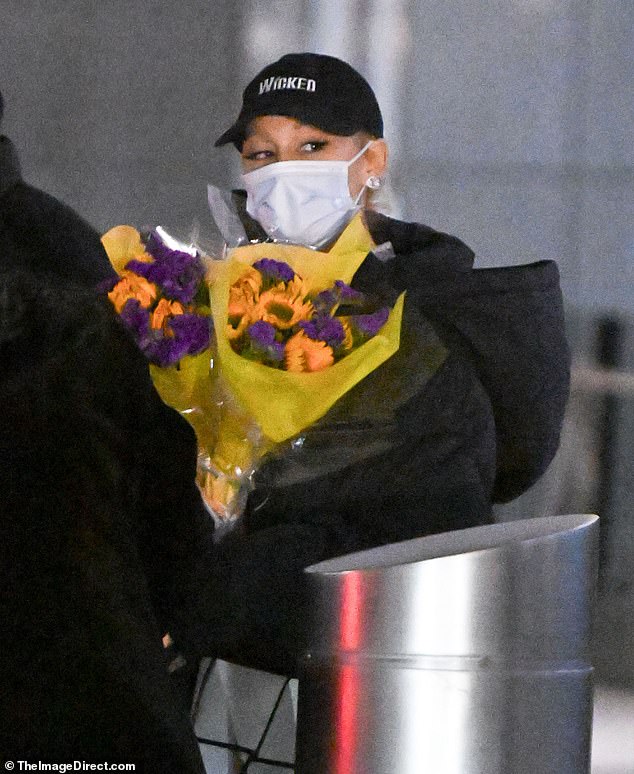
(313, 146)
(258, 155)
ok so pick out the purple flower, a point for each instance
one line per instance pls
(262, 342)
(136, 319)
(262, 333)
(274, 271)
(191, 334)
(368, 325)
(193, 329)
(322, 328)
(157, 248)
(340, 293)
(177, 273)
(346, 293)
(165, 350)
(325, 301)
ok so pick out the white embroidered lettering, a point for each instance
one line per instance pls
(266, 85)
(291, 82)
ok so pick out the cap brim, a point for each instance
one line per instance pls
(234, 134)
(237, 133)
(292, 106)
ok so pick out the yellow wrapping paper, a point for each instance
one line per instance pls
(188, 388)
(281, 402)
(261, 405)
(122, 244)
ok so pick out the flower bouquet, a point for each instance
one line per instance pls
(290, 338)
(162, 297)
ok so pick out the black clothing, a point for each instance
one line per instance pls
(467, 412)
(509, 322)
(39, 233)
(102, 534)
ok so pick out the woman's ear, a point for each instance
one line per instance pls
(376, 158)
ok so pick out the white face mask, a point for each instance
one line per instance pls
(306, 202)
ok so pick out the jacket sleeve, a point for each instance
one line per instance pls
(510, 322)
(173, 531)
(176, 532)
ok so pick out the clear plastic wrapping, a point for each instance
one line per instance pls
(289, 338)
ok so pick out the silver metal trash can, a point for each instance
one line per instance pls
(460, 653)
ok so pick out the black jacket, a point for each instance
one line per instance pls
(102, 537)
(40, 233)
(466, 413)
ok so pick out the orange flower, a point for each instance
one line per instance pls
(164, 310)
(132, 286)
(348, 341)
(235, 333)
(284, 305)
(244, 293)
(304, 354)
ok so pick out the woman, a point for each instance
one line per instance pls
(468, 411)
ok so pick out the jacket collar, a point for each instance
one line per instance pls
(9, 164)
(443, 253)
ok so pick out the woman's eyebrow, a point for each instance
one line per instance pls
(308, 129)
(257, 139)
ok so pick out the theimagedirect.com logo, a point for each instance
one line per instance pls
(66, 767)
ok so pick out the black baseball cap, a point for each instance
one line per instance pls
(315, 89)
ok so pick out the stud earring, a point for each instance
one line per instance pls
(373, 182)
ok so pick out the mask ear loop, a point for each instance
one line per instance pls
(372, 182)
(361, 152)
(359, 196)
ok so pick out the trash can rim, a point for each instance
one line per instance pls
(489, 537)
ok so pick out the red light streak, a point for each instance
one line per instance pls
(346, 720)
(350, 622)
(346, 728)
